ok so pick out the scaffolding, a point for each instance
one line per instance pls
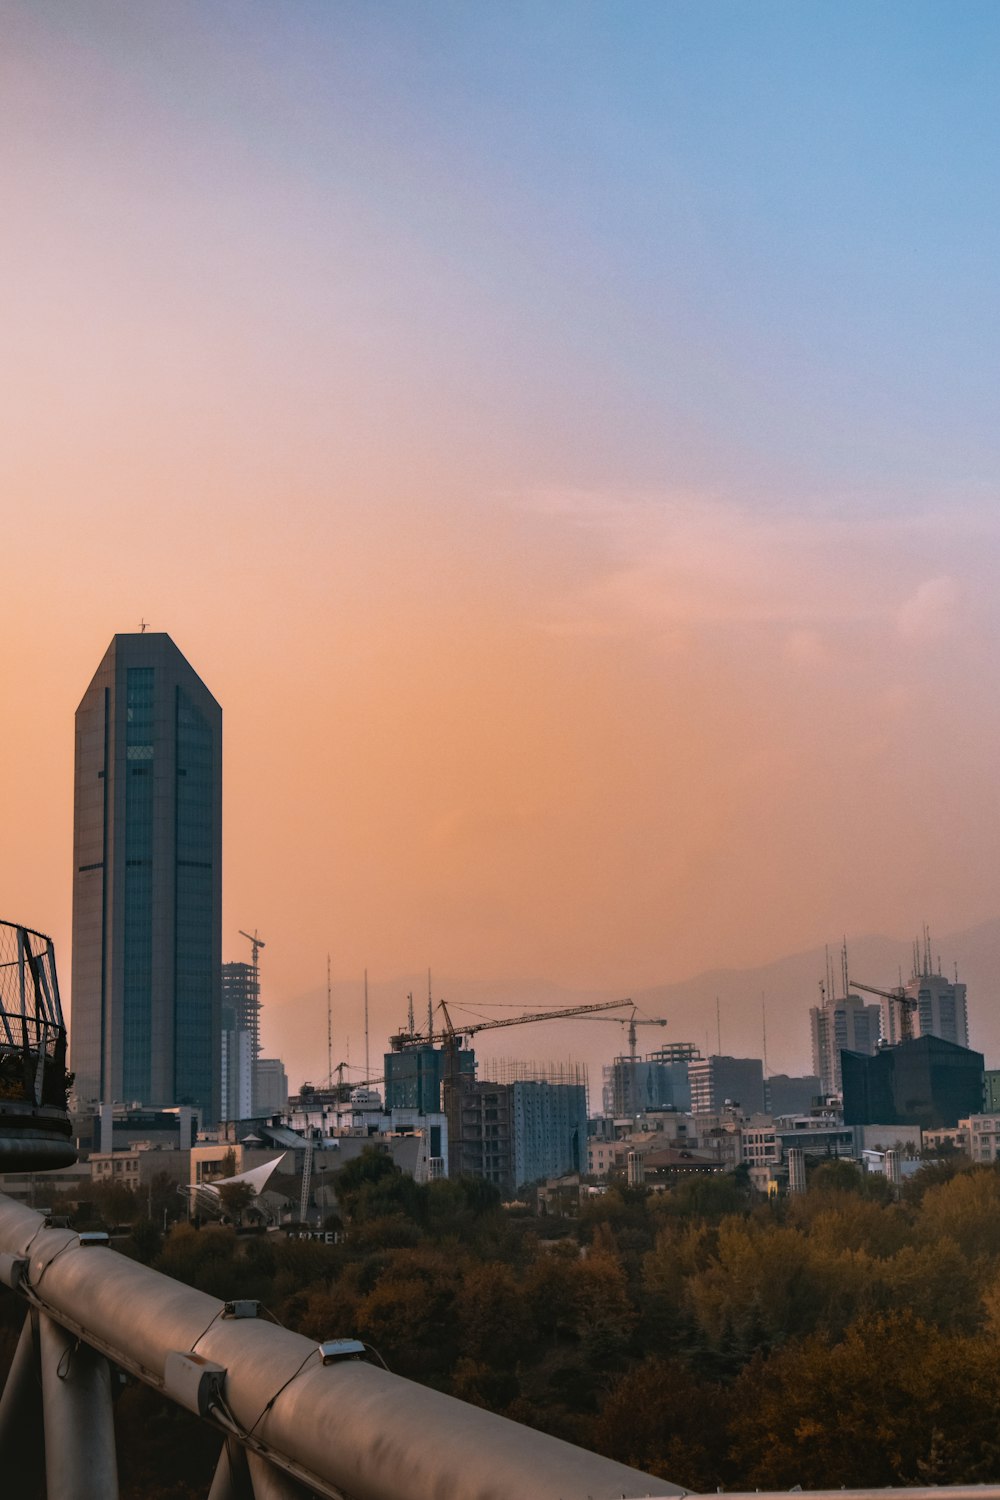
(513, 1070)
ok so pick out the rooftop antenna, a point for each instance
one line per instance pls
(763, 1022)
(843, 963)
(329, 1027)
(430, 1008)
(413, 1026)
(142, 626)
(718, 1025)
(367, 1067)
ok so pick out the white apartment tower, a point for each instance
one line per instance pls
(848, 1024)
(941, 1003)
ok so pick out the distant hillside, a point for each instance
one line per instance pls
(297, 1030)
(790, 986)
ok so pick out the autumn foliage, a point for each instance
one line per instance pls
(839, 1339)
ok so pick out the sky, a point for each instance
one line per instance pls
(562, 435)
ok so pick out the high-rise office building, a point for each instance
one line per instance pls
(147, 881)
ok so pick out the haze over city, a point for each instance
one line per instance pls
(563, 437)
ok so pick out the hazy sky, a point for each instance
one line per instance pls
(564, 436)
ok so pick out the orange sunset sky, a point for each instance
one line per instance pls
(564, 439)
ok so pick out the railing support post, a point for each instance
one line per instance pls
(80, 1460)
(21, 1413)
(231, 1480)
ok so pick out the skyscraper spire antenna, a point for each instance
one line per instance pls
(763, 1021)
(368, 1071)
(329, 1027)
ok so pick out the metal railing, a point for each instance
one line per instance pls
(295, 1418)
(32, 1031)
(34, 1123)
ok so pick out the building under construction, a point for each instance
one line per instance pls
(660, 1080)
(529, 1127)
(513, 1131)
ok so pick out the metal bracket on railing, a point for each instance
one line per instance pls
(193, 1381)
(244, 1307)
(13, 1270)
(333, 1349)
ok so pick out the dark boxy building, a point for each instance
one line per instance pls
(927, 1082)
(791, 1096)
(147, 881)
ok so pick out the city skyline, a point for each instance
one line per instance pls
(564, 439)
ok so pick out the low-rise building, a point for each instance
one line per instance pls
(984, 1137)
(760, 1144)
(978, 1137)
(604, 1157)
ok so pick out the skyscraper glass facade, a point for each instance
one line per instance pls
(147, 881)
(137, 987)
(194, 872)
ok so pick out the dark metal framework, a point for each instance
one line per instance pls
(34, 1124)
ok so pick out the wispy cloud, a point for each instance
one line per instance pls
(672, 564)
(931, 612)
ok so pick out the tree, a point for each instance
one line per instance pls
(661, 1419)
(236, 1199)
(967, 1209)
(373, 1186)
(895, 1402)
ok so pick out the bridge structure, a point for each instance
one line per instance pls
(295, 1418)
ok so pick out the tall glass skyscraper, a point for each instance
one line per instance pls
(147, 881)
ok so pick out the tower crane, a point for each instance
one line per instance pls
(452, 1035)
(256, 943)
(451, 1038)
(632, 1022)
(905, 1003)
